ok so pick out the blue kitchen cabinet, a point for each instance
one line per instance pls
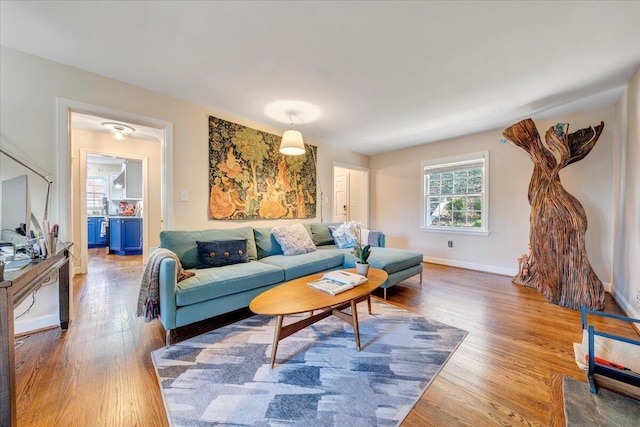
(125, 236)
(95, 238)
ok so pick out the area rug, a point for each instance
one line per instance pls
(320, 379)
(605, 408)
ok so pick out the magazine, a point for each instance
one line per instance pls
(336, 282)
(330, 286)
(346, 277)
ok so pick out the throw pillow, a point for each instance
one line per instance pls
(266, 244)
(321, 234)
(293, 239)
(183, 243)
(343, 236)
(219, 253)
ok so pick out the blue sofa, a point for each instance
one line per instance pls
(215, 291)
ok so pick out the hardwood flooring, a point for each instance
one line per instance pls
(507, 371)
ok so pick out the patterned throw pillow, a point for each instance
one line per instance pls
(293, 239)
(343, 236)
(218, 253)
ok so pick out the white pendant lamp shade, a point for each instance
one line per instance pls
(292, 143)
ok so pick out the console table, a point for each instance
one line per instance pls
(15, 288)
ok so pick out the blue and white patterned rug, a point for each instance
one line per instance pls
(320, 379)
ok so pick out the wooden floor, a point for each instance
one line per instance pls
(507, 371)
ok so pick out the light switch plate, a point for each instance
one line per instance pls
(184, 196)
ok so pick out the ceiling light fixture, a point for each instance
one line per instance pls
(119, 130)
(292, 143)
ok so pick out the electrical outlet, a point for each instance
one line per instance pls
(450, 243)
(638, 299)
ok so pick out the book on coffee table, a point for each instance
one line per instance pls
(338, 281)
(346, 277)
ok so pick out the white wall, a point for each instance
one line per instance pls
(626, 251)
(29, 88)
(397, 195)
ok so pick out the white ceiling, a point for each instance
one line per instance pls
(94, 123)
(380, 75)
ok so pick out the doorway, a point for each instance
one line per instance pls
(350, 194)
(114, 191)
(98, 161)
(157, 166)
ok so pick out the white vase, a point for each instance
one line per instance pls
(362, 268)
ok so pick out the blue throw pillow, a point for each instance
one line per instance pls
(219, 253)
(342, 237)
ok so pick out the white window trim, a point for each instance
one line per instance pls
(484, 230)
(106, 187)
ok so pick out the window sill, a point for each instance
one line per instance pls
(456, 231)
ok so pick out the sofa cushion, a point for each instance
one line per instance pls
(321, 234)
(309, 263)
(219, 253)
(343, 236)
(388, 259)
(324, 247)
(216, 282)
(183, 243)
(266, 244)
(293, 239)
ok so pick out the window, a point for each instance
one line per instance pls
(455, 194)
(96, 191)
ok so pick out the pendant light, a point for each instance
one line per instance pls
(292, 143)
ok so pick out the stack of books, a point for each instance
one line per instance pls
(335, 282)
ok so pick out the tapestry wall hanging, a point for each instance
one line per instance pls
(249, 179)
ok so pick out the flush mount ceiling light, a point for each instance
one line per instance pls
(119, 130)
(292, 143)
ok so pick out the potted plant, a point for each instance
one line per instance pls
(362, 253)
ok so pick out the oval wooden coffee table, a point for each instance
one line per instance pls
(296, 296)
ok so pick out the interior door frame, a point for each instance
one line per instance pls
(367, 185)
(63, 190)
(82, 199)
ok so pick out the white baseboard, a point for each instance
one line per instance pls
(472, 266)
(42, 322)
(626, 305)
(485, 268)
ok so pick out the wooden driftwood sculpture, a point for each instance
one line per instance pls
(526, 271)
(557, 264)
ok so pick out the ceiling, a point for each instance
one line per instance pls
(368, 76)
(94, 124)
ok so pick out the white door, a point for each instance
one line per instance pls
(341, 198)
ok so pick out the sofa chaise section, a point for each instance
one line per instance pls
(400, 264)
